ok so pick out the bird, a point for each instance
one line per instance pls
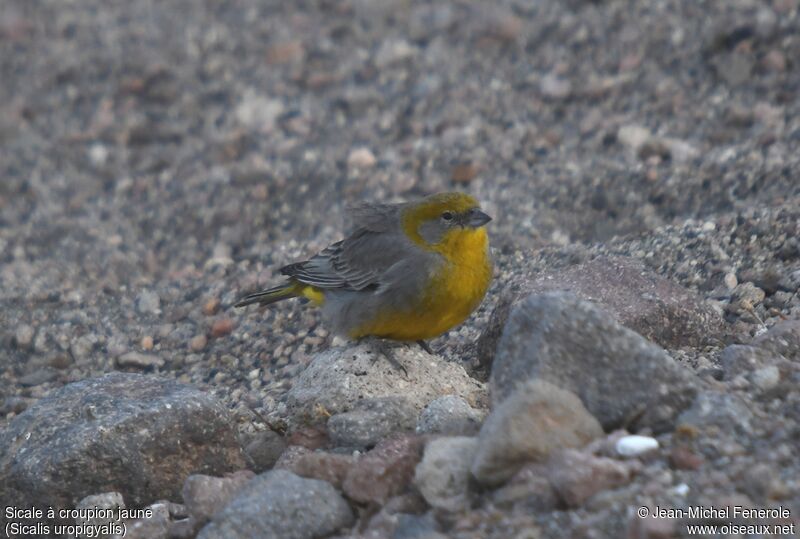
(406, 272)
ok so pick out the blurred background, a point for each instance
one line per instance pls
(159, 158)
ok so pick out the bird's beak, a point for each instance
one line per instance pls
(477, 218)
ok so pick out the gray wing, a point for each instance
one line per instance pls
(362, 260)
(373, 217)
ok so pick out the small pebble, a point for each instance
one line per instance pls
(24, 336)
(139, 360)
(731, 281)
(211, 307)
(464, 173)
(766, 377)
(221, 327)
(634, 445)
(148, 302)
(146, 343)
(198, 343)
(361, 158)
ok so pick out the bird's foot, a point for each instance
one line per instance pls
(425, 347)
(386, 349)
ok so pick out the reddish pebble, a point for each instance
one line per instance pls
(683, 458)
(221, 327)
(309, 437)
(147, 342)
(211, 307)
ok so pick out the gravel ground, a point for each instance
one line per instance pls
(160, 159)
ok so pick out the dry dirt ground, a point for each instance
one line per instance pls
(159, 159)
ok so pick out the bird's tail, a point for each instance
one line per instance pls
(270, 295)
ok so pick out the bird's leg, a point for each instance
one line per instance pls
(425, 347)
(384, 348)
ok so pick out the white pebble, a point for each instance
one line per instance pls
(634, 445)
(681, 490)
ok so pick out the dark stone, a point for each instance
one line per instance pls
(280, 504)
(139, 435)
(656, 308)
(622, 379)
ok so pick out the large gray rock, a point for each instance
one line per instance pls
(537, 420)
(782, 339)
(449, 415)
(370, 421)
(444, 472)
(623, 379)
(135, 434)
(638, 298)
(279, 504)
(205, 495)
(339, 378)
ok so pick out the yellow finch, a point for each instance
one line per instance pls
(407, 272)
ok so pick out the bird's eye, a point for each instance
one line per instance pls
(447, 216)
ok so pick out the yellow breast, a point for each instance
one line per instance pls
(452, 294)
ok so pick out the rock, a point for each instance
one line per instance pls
(148, 302)
(578, 475)
(111, 501)
(443, 474)
(370, 421)
(633, 136)
(734, 68)
(744, 297)
(140, 433)
(783, 338)
(385, 471)
(464, 172)
(393, 51)
(719, 411)
(264, 448)
(211, 306)
(285, 52)
(38, 377)
(656, 308)
(497, 22)
(258, 112)
(156, 526)
(221, 327)
(137, 360)
(528, 490)
(330, 467)
(633, 446)
(392, 521)
(766, 378)
(290, 456)
(198, 343)
(683, 458)
(622, 379)
(775, 60)
(205, 495)
(361, 158)
(450, 415)
(82, 347)
(23, 336)
(738, 359)
(340, 377)
(555, 87)
(417, 527)
(147, 343)
(535, 421)
(310, 437)
(280, 504)
(730, 281)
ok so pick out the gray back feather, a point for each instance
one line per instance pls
(364, 259)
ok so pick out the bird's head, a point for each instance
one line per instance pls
(444, 221)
